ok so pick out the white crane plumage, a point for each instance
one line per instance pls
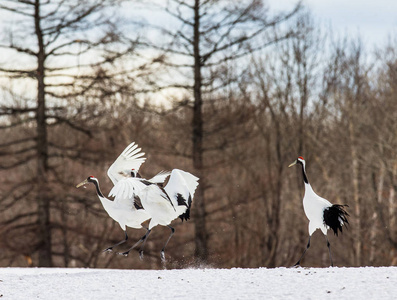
(321, 213)
(163, 198)
(165, 204)
(130, 160)
(125, 210)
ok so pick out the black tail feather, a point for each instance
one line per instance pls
(335, 216)
(181, 201)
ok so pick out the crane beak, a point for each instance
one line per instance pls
(82, 183)
(294, 163)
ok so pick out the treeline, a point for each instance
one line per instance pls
(230, 93)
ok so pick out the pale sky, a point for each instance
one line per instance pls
(373, 20)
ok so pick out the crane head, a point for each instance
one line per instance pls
(88, 180)
(299, 160)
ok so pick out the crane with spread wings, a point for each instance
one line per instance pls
(127, 211)
(163, 198)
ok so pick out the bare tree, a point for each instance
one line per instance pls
(212, 36)
(383, 166)
(64, 52)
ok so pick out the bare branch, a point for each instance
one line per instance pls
(23, 161)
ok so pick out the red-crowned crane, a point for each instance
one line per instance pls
(125, 210)
(163, 204)
(321, 213)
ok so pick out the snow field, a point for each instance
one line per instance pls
(262, 283)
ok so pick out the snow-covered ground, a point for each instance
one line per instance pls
(262, 283)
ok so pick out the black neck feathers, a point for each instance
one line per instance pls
(98, 190)
(304, 173)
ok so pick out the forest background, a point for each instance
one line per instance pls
(227, 90)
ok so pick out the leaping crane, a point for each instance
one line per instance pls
(127, 211)
(163, 204)
(163, 198)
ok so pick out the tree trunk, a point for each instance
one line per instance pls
(201, 251)
(356, 192)
(43, 201)
(392, 207)
(378, 187)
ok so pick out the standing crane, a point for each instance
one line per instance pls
(321, 213)
(127, 211)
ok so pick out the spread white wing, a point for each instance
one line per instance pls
(181, 184)
(130, 158)
(160, 177)
(125, 189)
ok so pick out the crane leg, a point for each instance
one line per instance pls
(136, 244)
(329, 250)
(303, 254)
(143, 246)
(110, 249)
(162, 255)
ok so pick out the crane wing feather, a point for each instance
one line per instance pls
(130, 158)
(160, 177)
(125, 190)
(183, 184)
